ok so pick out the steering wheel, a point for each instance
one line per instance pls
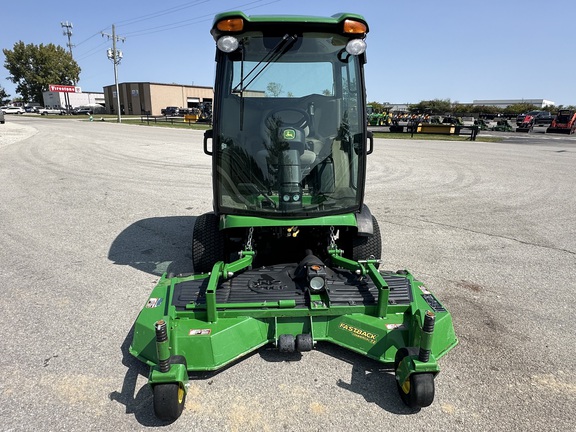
(298, 118)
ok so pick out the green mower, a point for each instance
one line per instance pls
(290, 255)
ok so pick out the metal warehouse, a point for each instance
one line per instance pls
(138, 98)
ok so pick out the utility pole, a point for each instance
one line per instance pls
(67, 31)
(116, 57)
(67, 26)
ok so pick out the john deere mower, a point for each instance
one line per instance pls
(291, 254)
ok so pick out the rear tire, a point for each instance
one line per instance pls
(207, 243)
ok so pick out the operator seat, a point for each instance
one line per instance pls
(267, 155)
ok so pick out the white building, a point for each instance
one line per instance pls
(503, 103)
(58, 99)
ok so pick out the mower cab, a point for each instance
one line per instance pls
(290, 255)
(289, 101)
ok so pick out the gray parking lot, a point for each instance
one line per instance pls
(91, 213)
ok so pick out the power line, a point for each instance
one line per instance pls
(167, 27)
(131, 21)
(93, 51)
(90, 37)
(195, 20)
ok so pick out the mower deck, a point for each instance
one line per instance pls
(214, 319)
(273, 284)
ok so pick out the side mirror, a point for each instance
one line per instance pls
(370, 137)
(207, 136)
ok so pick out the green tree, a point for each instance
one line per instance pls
(485, 109)
(4, 97)
(435, 106)
(376, 106)
(520, 108)
(33, 67)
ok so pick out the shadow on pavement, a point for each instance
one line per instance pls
(156, 245)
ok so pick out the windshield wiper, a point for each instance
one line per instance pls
(273, 55)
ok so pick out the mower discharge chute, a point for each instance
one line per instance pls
(290, 255)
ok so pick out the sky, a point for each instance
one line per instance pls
(460, 50)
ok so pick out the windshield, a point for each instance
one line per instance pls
(289, 135)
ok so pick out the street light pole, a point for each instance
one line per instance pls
(116, 57)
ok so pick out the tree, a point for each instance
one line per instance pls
(436, 106)
(275, 89)
(33, 67)
(4, 97)
(376, 106)
(520, 108)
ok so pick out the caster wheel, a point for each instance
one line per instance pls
(418, 390)
(304, 342)
(286, 343)
(168, 401)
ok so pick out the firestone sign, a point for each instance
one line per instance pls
(64, 88)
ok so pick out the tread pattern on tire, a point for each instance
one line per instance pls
(166, 404)
(207, 243)
(364, 247)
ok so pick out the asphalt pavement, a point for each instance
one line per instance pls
(91, 213)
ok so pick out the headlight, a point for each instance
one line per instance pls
(227, 44)
(356, 46)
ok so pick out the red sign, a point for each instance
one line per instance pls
(64, 88)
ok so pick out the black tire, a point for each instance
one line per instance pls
(304, 342)
(418, 390)
(404, 352)
(207, 243)
(364, 247)
(169, 401)
(286, 343)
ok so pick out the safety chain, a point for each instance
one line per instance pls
(249, 241)
(333, 238)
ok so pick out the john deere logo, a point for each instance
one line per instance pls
(289, 134)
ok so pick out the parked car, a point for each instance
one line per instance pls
(46, 111)
(468, 121)
(12, 110)
(83, 110)
(2, 117)
(170, 111)
(538, 118)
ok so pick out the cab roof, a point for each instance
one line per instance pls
(283, 23)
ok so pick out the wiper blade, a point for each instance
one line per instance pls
(278, 51)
